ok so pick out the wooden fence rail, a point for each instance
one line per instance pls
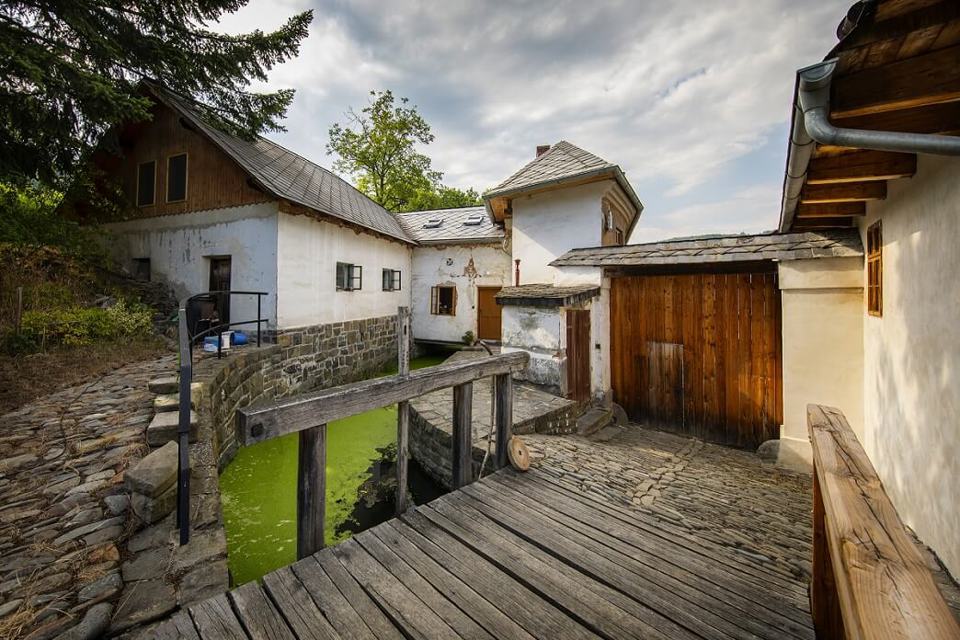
(309, 414)
(869, 579)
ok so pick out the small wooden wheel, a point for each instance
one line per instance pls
(518, 453)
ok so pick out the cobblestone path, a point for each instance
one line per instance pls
(62, 505)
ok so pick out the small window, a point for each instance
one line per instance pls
(146, 183)
(443, 300)
(349, 277)
(619, 236)
(177, 178)
(391, 280)
(141, 269)
(875, 270)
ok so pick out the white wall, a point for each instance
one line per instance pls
(912, 355)
(822, 334)
(307, 254)
(451, 265)
(540, 331)
(547, 225)
(179, 248)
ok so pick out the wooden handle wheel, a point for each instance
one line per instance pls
(518, 453)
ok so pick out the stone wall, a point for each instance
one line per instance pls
(299, 360)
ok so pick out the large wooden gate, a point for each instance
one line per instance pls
(699, 354)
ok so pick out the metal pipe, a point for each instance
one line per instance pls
(813, 96)
(516, 273)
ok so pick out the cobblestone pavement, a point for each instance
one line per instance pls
(711, 492)
(62, 504)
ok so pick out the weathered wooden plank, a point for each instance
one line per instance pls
(215, 619)
(382, 626)
(403, 408)
(883, 586)
(178, 627)
(298, 608)
(685, 596)
(861, 166)
(258, 615)
(415, 617)
(342, 616)
(431, 598)
(443, 579)
(503, 411)
(311, 490)
(297, 413)
(575, 592)
(832, 209)
(526, 607)
(843, 192)
(462, 468)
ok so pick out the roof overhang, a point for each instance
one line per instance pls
(546, 295)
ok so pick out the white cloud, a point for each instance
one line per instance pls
(673, 92)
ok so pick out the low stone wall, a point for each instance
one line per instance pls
(300, 360)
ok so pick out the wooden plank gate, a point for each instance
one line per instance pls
(699, 354)
(578, 354)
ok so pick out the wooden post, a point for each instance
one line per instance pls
(824, 599)
(311, 490)
(503, 415)
(403, 408)
(462, 435)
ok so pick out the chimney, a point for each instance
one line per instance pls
(542, 149)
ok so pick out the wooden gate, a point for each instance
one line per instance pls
(489, 314)
(699, 354)
(578, 354)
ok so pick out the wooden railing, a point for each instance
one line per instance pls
(869, 579)
(309, 414)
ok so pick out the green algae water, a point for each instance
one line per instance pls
(259, 488)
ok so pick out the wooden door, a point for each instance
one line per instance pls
(220, 281)
(489, 314)
(578, 354)
(715, 337)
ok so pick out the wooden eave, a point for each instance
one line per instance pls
(898, 70)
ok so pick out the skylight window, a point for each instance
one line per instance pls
(473, 220)
(433, 223)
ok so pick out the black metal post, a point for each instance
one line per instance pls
(183, 432)
(259, 299)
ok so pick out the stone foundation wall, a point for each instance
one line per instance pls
(299, 360)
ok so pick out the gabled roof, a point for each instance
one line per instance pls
(455, 226)
(740, 248)
(563, 164)
(290, 176)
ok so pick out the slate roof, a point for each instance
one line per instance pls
(292, 177)
(452, 228)
(741, 248)
(546, 295)
(562, 160)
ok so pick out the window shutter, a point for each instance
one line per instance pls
(356, 272)
(396, 280)
(453, 303)
(434, 300)
(385, 279)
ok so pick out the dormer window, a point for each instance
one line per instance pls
(473, 220)
(433, 223)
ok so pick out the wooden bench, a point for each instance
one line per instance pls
(869, 579)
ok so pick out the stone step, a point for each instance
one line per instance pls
(155, 473)
(167, 384)
(166, 402)
(593, 420)
(163, 428)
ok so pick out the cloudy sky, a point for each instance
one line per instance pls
(689, 97)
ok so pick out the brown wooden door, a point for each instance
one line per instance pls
(578, 354)
(699, 354)
(489, 316)
(220, 281)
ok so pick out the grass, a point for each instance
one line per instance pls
(24, 378)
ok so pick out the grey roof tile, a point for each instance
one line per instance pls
(563, 160)
(452, 227)
(293, 177)
(767, 246)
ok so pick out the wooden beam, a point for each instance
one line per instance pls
(311, 490)
(932, 118)
(503, 411)
(926, 79)
(811, 224)
(861, 166)
(843, 192)
(403, 408)
(462, 469)
(883, 587)
(832, 210)
(296, 413)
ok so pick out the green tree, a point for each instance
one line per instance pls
(378, 149)
(70, 70)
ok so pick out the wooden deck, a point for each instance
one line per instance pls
(513, 556)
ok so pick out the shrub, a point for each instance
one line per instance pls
(468, 338)
(79, 326)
